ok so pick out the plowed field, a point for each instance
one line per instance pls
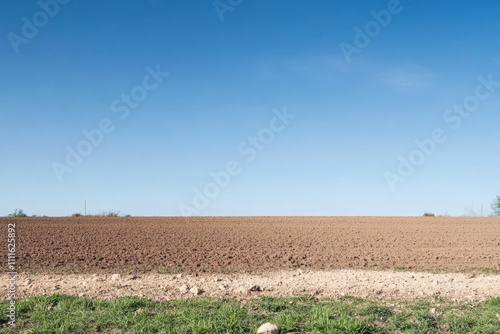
(220, 244)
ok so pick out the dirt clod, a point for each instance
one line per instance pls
(183, 289)
(195, 291)
(255, 288)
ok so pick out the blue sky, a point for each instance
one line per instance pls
(353, 119)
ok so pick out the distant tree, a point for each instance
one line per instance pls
(495, 206)
(18, 213)
(76, 214)
(427, 214)
(470, 212)
(110, 213)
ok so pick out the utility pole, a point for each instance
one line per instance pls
(481, 210)
(85, 207)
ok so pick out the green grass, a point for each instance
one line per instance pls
(402, 268)
(69, 314)
(491, 270)
(169, 270)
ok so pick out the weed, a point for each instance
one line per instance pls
(71, 314)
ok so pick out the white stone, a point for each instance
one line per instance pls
(183, 288)
(268, 328)
(116, 277)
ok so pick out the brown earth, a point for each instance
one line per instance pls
(253, 244)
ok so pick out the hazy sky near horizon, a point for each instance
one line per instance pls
(236, 69)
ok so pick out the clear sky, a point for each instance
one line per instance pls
(360, 98)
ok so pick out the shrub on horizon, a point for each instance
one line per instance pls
(495, 206)
(18, 213)
(110, 213)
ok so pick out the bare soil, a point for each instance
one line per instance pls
(253, 244)
(284, 283)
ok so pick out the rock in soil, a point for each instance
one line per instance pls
(268, 328)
